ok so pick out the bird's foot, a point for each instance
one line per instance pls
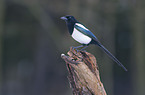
(83, 49)
(75, 49)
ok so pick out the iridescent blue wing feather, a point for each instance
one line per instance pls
(86, 32)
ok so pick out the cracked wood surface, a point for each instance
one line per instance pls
(83, 73)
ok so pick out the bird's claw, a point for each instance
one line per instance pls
(75, 49)
(83, 50)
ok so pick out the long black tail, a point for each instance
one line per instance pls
(113, 57)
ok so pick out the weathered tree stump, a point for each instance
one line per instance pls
(83, 73)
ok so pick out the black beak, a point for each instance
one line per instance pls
(63, 18)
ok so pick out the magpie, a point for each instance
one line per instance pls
(84, 36)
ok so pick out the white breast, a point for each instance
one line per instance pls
(80, 37)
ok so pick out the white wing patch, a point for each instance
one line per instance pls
(80, 25)
(80, 37)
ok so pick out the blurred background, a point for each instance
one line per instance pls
(32, 38)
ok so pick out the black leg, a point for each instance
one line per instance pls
(78, 47)
(84, 48)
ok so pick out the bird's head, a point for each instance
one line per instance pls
(69, 19)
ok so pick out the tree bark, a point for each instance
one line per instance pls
(83, 73)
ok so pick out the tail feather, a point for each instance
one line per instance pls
(113, 57)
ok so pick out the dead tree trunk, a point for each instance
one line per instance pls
(83, 73)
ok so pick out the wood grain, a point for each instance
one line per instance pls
(83, 73)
